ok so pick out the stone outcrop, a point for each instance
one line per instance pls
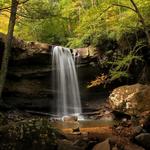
(102, 146)
(28, 83)
(131, 99)
(143, 140)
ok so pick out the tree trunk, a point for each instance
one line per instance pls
(142, 21)
(8, 44)
(94, 3)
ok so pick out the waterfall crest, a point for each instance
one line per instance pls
(65, 82)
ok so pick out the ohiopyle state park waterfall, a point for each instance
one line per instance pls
(65, 82)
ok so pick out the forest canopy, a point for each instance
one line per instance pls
(74, 23)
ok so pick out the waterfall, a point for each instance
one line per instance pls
(65, 82)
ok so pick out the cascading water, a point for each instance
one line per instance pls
(65, 82)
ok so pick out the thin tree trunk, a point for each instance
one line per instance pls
(94, 3)
(142, 21)
(8, 44)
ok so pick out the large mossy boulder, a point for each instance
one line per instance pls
(131, 99)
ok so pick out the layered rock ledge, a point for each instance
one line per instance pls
(29, 79)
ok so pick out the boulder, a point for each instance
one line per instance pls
(145, 120)
(91, 144)
(67, 145)
(143, 139)
(115, 148)
(102, 146)
(123, 144)
(70, 118)
(107, 116)
(137, 130)
(81, 143)
(131, 99)
(146, 125)
(85, 51)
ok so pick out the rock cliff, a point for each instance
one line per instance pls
(28, 82)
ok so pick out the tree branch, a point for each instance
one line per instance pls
(42, 17)
(5, 8)
(8, 8)
(120, 5)
(106, 10)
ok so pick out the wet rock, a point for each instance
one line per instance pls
(121, 115)
(125, 123)
(91, 144)
(146, 123)
(123, 143)
(124, 120)
(76, 131)
(67, 145)
(133, 147)
(102, 146)
(119, 128)
(115, 148)
(81, 143)
(85, 135)
(143, 139)
(135, 120)
(131, 99)
(107, 117)
(70, 118)
(137, 130)
(86, 51)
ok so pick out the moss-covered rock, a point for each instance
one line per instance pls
(131, 99)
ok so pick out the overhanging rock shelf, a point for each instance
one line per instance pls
(28, 82)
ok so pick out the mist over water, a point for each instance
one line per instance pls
(65, 82)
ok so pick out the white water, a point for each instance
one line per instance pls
(65, 82)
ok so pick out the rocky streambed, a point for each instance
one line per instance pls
(22, 130)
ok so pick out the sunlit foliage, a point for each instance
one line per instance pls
(82, 23)
(75, 22)
(4, 16)
(98, 81)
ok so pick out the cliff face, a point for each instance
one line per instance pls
(28, 83)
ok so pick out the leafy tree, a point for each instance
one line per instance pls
(110, 18)
(42, 21)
